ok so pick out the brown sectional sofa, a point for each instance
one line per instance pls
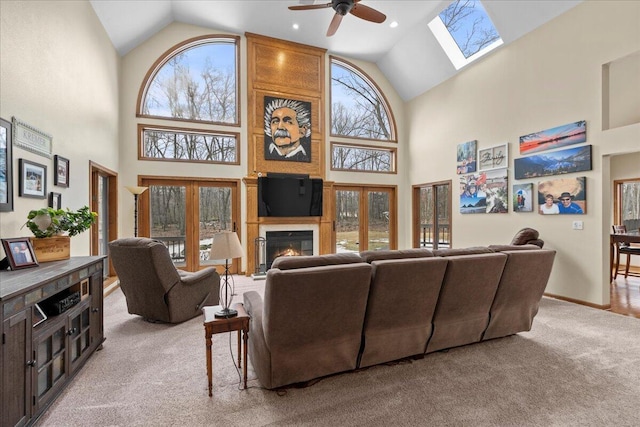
(333, 313)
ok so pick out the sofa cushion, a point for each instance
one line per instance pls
(293, 262)
(370, 256)
(523, 236)
(474, 250)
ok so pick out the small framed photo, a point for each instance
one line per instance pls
(61, 168)
(523, 197)
(19, 253)
(55, 200)
(496, 157)
(33, 180)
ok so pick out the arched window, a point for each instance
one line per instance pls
(360, 111)
(194, 81)
(358, 108)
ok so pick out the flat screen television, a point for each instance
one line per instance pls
(289, 195)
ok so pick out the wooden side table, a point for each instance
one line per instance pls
(213, 325)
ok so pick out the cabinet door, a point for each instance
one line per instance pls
(16, 369)
(79, 334)
(49, 346)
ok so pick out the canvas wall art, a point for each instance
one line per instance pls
(484, 192)
(560, 162)
(563, 196)
(466, 157)
(560, 136)
(287, 130)
(522, 198)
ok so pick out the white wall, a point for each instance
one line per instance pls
(550, 77)
(59, 73)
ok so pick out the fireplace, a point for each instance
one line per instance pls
(288, 243)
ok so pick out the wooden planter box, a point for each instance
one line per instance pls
(51, 248)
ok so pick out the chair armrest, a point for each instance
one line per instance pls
(189, 278)
(253, 305)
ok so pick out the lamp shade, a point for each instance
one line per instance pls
(136, 190)
(226, 245)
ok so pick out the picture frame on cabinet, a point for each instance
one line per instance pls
(19, 253)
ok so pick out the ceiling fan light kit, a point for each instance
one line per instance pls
(342, 8)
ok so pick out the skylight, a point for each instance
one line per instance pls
(465, 32)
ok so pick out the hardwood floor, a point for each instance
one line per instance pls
(625, 296)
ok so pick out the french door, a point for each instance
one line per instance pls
(104, 201)
(432, 215)
(186, 213)
(365, 218)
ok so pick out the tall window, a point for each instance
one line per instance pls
(195, 81)
(359, 111)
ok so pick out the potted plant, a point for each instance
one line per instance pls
(53, 229)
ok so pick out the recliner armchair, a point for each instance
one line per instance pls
(154, 288)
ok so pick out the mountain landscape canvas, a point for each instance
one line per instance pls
(571, 160)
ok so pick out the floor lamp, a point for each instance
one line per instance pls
(226, 245)
(136, 191)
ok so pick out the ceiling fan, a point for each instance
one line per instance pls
(342, 7)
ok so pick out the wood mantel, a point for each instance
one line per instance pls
(325, 222)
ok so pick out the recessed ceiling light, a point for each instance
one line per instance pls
(394, 24)
(296, 26)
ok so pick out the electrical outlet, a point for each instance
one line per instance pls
(577, 225)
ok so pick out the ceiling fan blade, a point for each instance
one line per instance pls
(335, 23)
(367, 13)
(310, 6)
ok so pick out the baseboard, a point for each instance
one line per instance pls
(577, 301)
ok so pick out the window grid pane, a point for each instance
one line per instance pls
(354, 158)
(177, 145)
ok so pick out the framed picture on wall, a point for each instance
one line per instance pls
(466, 155)
(563, 196)
(61, 168)
(560, 136)
(496, 157)
(33, 180)
(6, 170)
(287, 130)
(523, 197)
(55, 200)
(570, 160)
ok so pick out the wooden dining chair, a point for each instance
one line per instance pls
(623, 248)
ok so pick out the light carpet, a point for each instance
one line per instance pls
(578, 366)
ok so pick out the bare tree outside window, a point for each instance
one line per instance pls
(357, 110)
(350, 157)
(183, 145)
(196, 84)
(469, 25)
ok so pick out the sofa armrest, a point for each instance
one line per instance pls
(189, 278)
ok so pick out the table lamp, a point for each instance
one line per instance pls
(226, 245)
(136, 191)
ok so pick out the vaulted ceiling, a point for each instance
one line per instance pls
(408, 55)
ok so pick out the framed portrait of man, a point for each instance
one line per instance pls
(287, 130)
